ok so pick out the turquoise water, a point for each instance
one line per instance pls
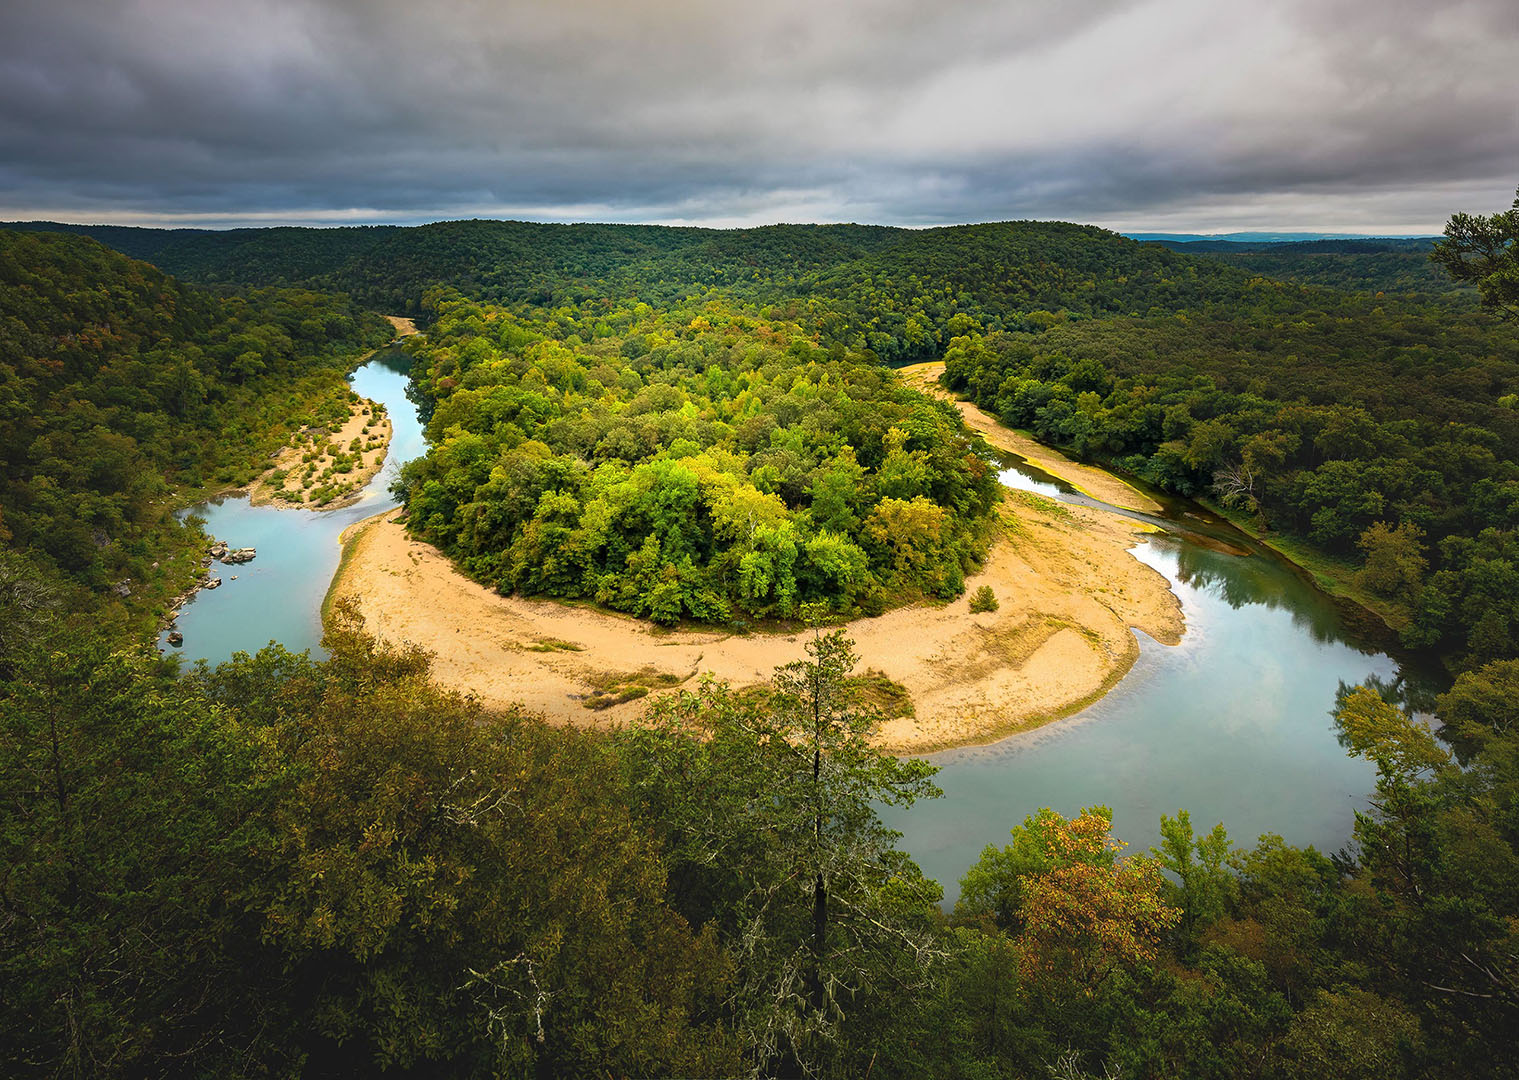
(278, 596)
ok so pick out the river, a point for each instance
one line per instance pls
(278, 596)
(1233, 724)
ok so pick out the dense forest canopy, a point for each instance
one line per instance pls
(894, 291)
(118, 384)
(697, 462)
(334, 868)
(1383, 265)
(281, 866)
(1324, 423)
(1374, 420)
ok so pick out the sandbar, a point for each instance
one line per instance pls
(1068, 588)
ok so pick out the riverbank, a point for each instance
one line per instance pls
(1336, 578)
(1087, 479)
(1069, 592)
(1378, 617)
(325, 468)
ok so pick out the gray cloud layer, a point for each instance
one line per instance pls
(1343, 115)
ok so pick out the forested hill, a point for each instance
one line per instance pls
(992, 272)
(117, 382)
(1391, 265)
(1374, 418)
(903, 293)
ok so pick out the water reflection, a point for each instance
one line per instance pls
(1233, 724)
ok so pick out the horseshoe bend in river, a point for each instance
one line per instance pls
(1232, 723)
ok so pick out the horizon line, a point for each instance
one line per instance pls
(220, 223)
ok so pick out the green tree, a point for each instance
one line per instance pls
(1353, 1034)
(1395, 561)
(767, 812)
(1083, 920)
(993, 886)
(1483, 703)
(1484, 251)
(1205, 885)
(984, 600)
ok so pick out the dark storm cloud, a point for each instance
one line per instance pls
(1168, 113)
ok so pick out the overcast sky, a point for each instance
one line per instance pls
(1377, 116)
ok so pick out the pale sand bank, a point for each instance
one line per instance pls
(1059, 640)
(404, 327)
(1093, 481)
(1069, 592)
(370, 458)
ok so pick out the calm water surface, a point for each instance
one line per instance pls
(278, 596)
(1232, 724)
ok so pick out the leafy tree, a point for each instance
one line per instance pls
(1082, 920)
(1484, 251)
(993, 887)
(1373, 728)
(1200, 864)
(1351, 1033)
(1438, 849)
(767, 813)
(1483, 703)
(1395, 562)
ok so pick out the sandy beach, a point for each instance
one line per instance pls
(1068, 588)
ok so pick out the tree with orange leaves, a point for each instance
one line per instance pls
(1084, 912)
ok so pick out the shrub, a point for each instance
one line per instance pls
(984, 600)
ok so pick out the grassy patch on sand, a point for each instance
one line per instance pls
(614, 688)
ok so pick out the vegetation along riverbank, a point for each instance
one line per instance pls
(506, 828)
